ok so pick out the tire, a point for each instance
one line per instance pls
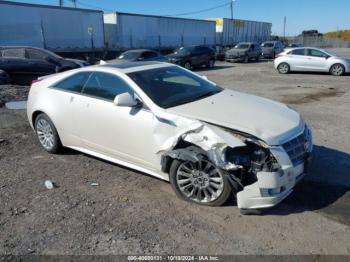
(246, 59)
(337, 70)
(188, 65)
(283, 68)
(211, 63)
(47, 134)
(190, 194)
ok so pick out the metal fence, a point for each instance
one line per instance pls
(319, 41)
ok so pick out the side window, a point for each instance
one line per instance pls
(73, 83)
(297, 52)
(105, 86)
(36, 54)
(197, 51)
(148, 55)
(316, 53)
(14, 53)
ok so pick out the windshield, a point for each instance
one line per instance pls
(242, 46)
(267, 45)
(173, 86)
(129, 55)
(183, 51)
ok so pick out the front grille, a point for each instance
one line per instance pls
(297, 148)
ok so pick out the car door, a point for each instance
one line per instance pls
(297, 59)
(197, 56)
(67, 98)
(316, 60)
(118, 132)
(14, 62)
(40, 62)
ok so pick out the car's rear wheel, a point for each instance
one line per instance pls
(188, 65)
(202, 182)
(47, 134)
(283, 68)
(211, 63)
(337, 70)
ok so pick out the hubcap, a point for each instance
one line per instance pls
(337, 70)
(283, 68)
(188, 66)
(45, 134)
(201, 182)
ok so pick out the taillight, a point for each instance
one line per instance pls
(35, 81)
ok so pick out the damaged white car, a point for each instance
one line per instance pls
(209, 142)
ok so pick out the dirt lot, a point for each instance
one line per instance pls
(131, 213)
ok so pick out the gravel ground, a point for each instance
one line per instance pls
(131, 213)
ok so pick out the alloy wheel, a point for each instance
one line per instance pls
(201, 182)
(45, 134)
(337, 70)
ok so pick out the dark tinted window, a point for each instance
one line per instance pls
(13, 53)
(297, 52)
(105, 86)
(36, 54)
(316, 53)
(74, 83)
(172, 86)
(149, 54)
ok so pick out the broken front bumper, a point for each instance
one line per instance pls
(273, 187)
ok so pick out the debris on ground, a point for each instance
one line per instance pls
(49, 184)
(94, 184)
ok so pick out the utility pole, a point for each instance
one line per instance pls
(284, 27)
(60, 3)
(231, 7)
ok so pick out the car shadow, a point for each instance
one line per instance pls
(326, 189)
(216, 67)
(315, 73)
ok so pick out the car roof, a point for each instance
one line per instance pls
(140, 50)
(135, 66)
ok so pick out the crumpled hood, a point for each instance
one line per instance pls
(270, 121)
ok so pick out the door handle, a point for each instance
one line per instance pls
(71, 99)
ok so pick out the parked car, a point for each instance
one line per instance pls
(311, 59)
(168, 122)
(293, 46)
(139, 55)
(244, 52)
(271, 49)
(24, 64)
(193, 56)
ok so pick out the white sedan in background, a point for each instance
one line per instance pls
(166, 121)
(311, 60)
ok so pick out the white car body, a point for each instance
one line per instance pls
(139, 139)
(308, 62)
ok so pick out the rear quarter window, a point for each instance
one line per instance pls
(13, 53)
(73, 83)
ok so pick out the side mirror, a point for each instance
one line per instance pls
(125, 100)
(51, 60)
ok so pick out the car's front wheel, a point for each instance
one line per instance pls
(283, 68)
(188, 65)
(47, 134)
(337, 70)
(201, 182)
(211, 63)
